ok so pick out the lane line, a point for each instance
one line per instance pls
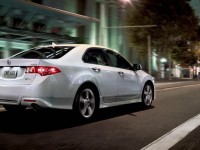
(178, 87)
(174, 136)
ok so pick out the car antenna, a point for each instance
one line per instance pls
(53, 44)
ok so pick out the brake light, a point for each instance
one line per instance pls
(42, 70)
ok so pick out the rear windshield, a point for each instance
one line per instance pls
(44, 53)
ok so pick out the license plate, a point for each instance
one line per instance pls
(10, 74)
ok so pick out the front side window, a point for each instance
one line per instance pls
(117, 60)
(44, 53)
(95, 56)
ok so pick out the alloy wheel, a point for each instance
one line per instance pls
(147, 95)
(87, 103)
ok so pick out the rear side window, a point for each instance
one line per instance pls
(44, 53)
(95, 56)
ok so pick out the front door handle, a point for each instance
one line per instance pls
(121, 73)
(96, 69)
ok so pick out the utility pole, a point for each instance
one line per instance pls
(149, 53)
(102, 24)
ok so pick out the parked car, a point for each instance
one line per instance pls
(80, 77)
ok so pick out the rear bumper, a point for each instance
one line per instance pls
(48, 92)
(64, 103)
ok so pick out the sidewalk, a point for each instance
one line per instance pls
(175, 80)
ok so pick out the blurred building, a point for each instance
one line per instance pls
(28, 23)
(196, 6)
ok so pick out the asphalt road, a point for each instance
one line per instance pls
(129, 127)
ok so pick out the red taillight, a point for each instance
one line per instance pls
(42, 70)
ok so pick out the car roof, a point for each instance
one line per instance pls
(73, 45)
(79, 46)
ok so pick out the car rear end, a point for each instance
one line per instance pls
(38, 83)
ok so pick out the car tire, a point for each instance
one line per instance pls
(14, 108)
(86, 103)
(147, 95)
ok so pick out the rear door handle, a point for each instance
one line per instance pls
(96, 69)
(121, 73)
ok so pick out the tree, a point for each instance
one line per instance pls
(175, 22)
(185, 54)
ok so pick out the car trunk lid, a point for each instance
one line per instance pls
(13, 71)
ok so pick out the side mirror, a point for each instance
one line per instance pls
(137, 67)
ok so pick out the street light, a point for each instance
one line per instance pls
(163, 60)
(126, 1)
(162, 67)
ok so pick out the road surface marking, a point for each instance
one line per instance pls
(177, 87)
(174, 136)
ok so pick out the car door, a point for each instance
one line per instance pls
(128, 86)
(104, 75)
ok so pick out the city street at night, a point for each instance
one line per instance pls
(100, 75)
(129, 127)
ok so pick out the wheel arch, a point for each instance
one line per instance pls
(91, 85)
(152, 85)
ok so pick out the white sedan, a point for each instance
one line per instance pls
(80, 77)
